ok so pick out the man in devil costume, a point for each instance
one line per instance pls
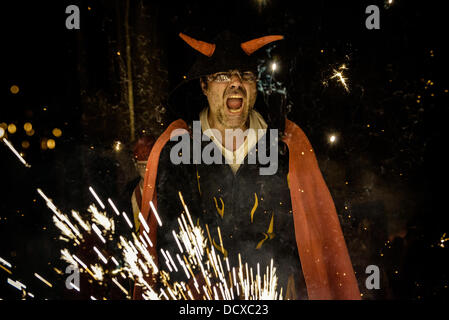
(288, 216)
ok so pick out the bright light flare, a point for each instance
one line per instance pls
(96, 198)
(98, 232)
(100, 255)
(443, 239)
(6, 263)
(340, 77)
(11, 147)
(16, 284)
(43, 280)
(156, 214)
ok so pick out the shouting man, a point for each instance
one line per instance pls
(255, 184)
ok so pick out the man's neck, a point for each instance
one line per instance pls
(236, 143)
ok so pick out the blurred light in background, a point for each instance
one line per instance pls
(12, 128)
(44, 144)
(28, 127)
(117, 145)
(57, 132)
(51, 144)
(14, 89)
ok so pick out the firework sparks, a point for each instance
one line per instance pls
(98, 232)
(388, 4)
(443, 239)
(11, 147)
(196, 257)
(6, 269)
(97, 272)
(120, 286)
(192, 242)
(147, 238)
(113, 207)
(80, 221)
(156, 214)
(97, 198)
(100, 255)
(127, 220)
(115, 261)
(43, 280)
(101, 218)
(16, 284)
(6, 263)
(340, 77)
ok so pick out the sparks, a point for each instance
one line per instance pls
(127, 220)
(113, 207)
(11, 147)
(98, 232)
(339, 75)
(156, 214)
(443, 239)
(43, 280)
(143, 222)
(16, 284)
(6, 263)
(197, 258)
(100, 255)
(96, 198)
(117, 146)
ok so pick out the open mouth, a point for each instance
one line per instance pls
(234, 104)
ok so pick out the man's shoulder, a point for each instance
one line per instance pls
(175, 128)
(293, 129)
(169, 138)
(291, 126)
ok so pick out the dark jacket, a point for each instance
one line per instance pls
(325, 262)
(253, 212)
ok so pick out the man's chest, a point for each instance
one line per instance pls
(247, 206)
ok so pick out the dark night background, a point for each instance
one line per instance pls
(386, 170)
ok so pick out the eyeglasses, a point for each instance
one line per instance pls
(246, 76)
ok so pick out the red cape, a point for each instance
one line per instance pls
(325, 261)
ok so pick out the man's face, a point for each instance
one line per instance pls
(231, 95)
